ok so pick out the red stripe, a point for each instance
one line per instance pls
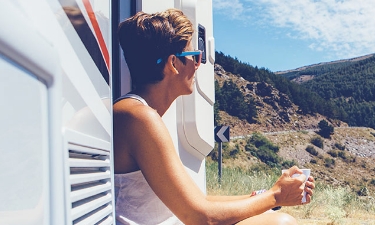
(97, 31)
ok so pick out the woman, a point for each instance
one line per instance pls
(152, 186)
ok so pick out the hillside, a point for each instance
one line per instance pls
(348, 84)
(308, 101)
(275, 111)
(283, 123)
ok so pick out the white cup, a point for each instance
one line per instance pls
(306, 172)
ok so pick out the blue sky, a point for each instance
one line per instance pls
(287, 34)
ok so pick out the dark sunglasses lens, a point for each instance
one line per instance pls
(197, 58)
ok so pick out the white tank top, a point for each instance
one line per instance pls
(133, 96)
(136, 203)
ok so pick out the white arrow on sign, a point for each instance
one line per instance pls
(221, 135)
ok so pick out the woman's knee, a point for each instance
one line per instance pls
(286, 219)
(270, 218)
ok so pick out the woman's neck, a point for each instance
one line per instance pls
(156, 97)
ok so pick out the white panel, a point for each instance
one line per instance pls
(29, 120)
(125, 86)
(205, 74)
(24, 147)
(101, 9)
(85, 93)
(152, 6)
(198, 117)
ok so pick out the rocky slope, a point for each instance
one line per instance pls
(275, 110)
(282, 123)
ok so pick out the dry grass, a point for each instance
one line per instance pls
(356, 171)
(334, 206)
(330, 205)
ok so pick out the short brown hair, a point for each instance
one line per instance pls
(148, 39)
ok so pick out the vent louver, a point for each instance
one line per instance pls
(90, 180)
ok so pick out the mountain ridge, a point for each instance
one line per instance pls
(354, 59)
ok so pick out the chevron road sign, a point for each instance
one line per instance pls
(222, 133)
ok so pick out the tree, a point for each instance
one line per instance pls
(325, 129)
(230, 99)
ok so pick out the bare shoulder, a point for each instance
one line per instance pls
(133, 124)
(131, 116)
(131, 112)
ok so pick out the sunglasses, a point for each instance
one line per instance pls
(197, 56)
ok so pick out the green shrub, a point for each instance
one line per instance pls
(363, 191)
(286, 164)
(342, 155)
(325, 129)
(268, 156)
(228, 151)
(328, 162)
(250, 147)
(340, 146)
(317, 141)
(332, 153)
(260, 147)
(234, 152)
(310, 149)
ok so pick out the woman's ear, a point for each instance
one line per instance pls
(170, 65)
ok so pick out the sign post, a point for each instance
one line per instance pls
(221, 135)
(219, 161)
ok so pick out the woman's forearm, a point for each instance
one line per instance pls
(224, 198)
(232, 209)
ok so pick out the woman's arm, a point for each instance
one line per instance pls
(309, 186)
(224, 198)
(151, 146)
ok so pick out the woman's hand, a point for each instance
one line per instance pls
(288, 191)
(309, 188)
